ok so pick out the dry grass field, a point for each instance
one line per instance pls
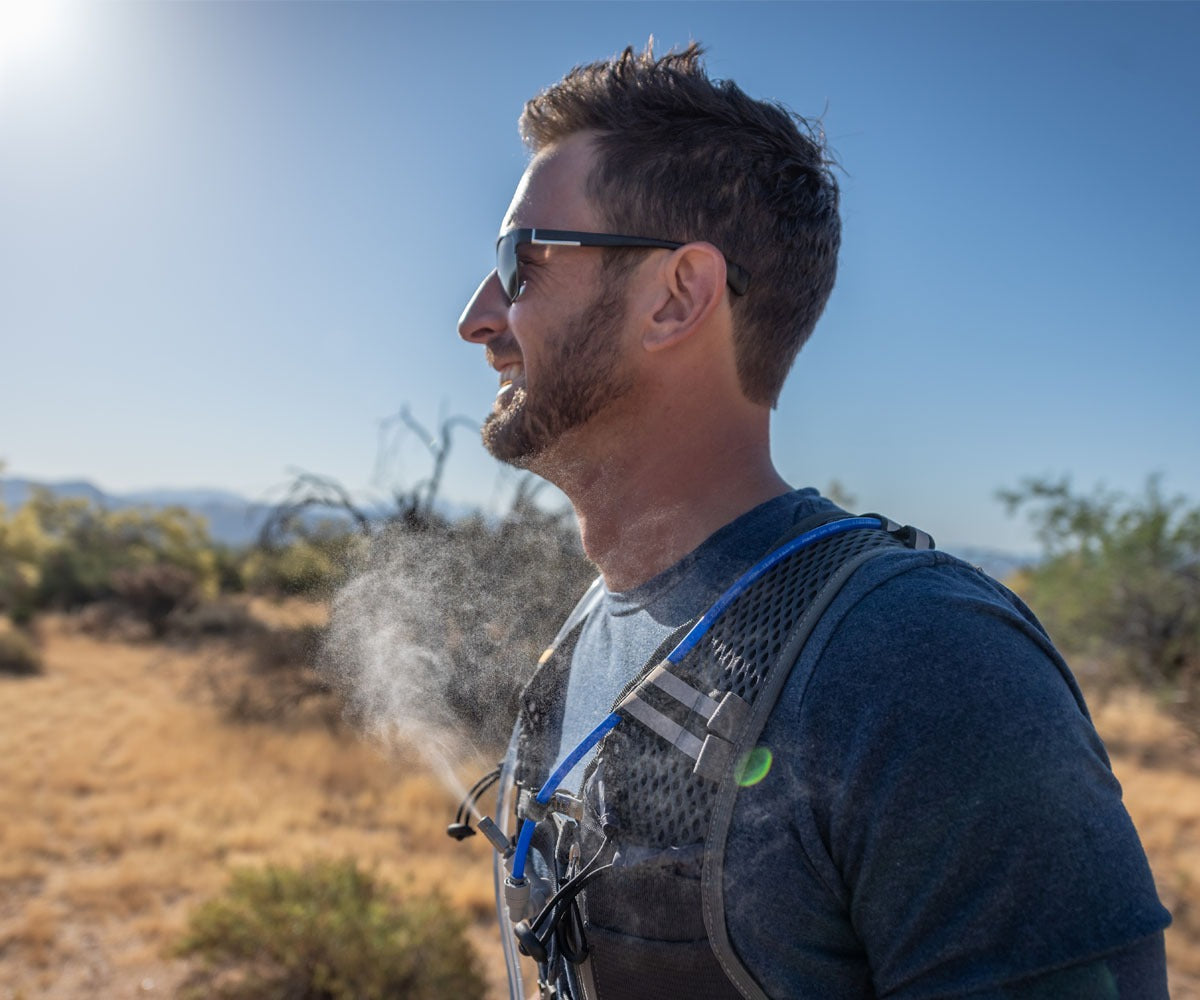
(125, 800)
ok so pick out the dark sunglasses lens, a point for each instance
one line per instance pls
(506, 266)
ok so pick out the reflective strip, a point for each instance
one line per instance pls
(656, 722)
(681, 691)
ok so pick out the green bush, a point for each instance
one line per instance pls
(326, 931)
(312, 565)
(229, 564)
(65, 552)
(18, 655)
(23, 550)
(1120, 580)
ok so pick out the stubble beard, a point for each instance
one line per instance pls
(581, 374)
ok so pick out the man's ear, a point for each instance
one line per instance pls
(691, 285)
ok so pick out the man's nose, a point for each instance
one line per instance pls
(486, 314)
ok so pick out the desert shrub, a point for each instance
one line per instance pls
(111, 619)
(154, 592)
(23, 549)
(1119, 581)
(64, 552)
(270, 676)
(19, 657)
(313, 565)
(229, 565)
(327, 931)
(293, 648)
(101, 618)
(221, 617)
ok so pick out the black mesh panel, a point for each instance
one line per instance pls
(658, 800)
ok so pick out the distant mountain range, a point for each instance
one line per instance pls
(234, 520)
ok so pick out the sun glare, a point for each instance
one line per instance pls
(31, 31)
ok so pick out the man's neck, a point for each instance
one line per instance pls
(643, 511)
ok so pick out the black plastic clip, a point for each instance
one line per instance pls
(914, 538)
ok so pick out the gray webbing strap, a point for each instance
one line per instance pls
(723, 720)
(681, 691)
(656, 722)
(712, 876)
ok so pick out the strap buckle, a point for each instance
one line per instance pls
(914, 538)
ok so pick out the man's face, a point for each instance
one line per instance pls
(558, 348)
(576, 371)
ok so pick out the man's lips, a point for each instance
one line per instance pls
(510, 374)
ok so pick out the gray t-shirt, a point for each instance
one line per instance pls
(623, 630)
(939, 818)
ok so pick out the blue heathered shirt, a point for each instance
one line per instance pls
(940, 818)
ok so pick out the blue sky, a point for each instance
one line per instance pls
(234, 237)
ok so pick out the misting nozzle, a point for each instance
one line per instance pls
(488, 827)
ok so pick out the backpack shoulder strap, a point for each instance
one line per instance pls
(712, 877)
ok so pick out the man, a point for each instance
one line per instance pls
(905, 796)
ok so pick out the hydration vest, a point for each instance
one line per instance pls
(646, 836)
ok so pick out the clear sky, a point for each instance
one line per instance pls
(234, 237)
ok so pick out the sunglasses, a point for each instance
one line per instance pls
(508, 266)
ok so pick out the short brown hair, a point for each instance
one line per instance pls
(683, 157)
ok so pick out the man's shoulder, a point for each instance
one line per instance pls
(934, 768)
(923, 648)
(920, 602)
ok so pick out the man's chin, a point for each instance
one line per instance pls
(507, 439)
(518, 459)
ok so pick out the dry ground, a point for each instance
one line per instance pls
(125, 800)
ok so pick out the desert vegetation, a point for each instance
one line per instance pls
(202, 797)
(327, 929)
(1119, 585)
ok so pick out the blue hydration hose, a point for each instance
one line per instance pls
(546, 793)
(685, 646)
(772, 559)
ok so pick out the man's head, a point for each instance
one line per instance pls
(681, 157)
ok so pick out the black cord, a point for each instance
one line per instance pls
(482, 785)
(570, 889)
(572, 941)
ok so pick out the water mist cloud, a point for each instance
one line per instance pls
(430, 643)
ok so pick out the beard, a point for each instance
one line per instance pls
(581, 374)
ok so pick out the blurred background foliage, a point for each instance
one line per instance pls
(1118, 584)
(62, 553)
